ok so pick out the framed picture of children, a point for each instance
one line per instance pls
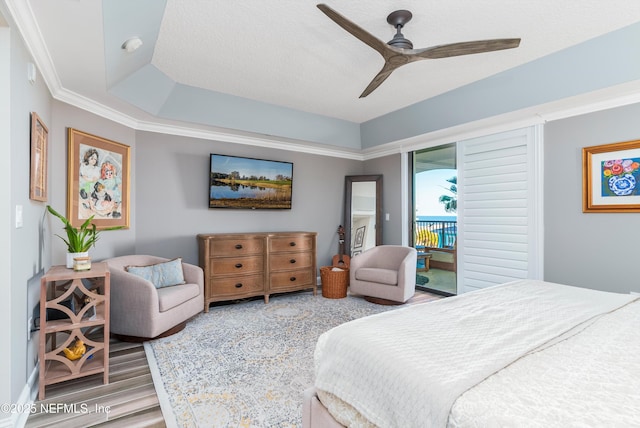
(98, 181)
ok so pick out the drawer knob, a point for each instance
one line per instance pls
(292, 279)
(292, 261)
(238, 246)
(239, 285)
(238, 265)
(292, 244)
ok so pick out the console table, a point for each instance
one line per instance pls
(239, 265)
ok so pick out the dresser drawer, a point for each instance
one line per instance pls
(236, 285)
(290, 261)
(291, 243)
(237, 265)
(236, 247)
(291, 278)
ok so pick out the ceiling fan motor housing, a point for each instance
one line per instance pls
(398, 19)
(399, 41)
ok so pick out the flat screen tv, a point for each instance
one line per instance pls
(248, 183)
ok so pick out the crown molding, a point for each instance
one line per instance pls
(205, 133)
(617, 96)
(248, 139)
(604, 99)
(26, 23)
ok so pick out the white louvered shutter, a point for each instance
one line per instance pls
(499, 209)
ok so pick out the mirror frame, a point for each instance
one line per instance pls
(348, 181)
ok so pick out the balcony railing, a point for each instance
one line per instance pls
(436, 234)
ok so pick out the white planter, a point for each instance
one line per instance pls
(71, 256)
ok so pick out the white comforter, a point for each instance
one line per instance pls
(418, 360)
(589, 380)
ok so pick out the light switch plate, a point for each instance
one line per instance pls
(19, 221)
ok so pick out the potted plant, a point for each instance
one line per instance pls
(78, 240)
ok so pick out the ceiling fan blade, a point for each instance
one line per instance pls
(355, 30)
(398, 54)
(466, 48)
(380, 77)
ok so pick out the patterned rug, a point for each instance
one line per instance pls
(246, 364)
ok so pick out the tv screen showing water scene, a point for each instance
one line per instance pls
(247, 183)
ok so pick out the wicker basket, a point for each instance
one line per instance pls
(334, 283)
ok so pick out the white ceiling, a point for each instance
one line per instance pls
(288, 53)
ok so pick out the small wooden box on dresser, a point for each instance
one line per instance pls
(239, 265)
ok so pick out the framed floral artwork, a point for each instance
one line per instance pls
(39, 149)
(98, 181)
(611, 178)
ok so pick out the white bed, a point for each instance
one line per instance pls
(526, 353)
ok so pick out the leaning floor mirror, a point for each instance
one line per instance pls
(362, 213)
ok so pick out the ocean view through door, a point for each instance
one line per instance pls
(434, 223)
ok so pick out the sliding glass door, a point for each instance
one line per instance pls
(434, 221)
(476, 211)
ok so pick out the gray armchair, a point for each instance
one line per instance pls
(140, 311)
(384, 274)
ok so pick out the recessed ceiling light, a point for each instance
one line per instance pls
(132, 44)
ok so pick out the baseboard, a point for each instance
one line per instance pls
(25, 401)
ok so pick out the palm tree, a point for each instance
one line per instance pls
(451, 202)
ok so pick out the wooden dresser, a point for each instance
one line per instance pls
(239, 265)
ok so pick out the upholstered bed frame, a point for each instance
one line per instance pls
(314, 414)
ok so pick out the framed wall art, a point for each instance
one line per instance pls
(249, 183)
(359, 238)
(39, 154)
(98, 181)
(611, 178)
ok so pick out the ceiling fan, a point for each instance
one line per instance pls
(399, 50)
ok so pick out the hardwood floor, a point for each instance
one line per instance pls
(130, 395)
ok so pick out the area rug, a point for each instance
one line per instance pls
(246, 364)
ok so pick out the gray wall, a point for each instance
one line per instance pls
(26, 255)
(590, 250)
(6, 334)
(169, 206)
(172, 187)
(389, 167)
